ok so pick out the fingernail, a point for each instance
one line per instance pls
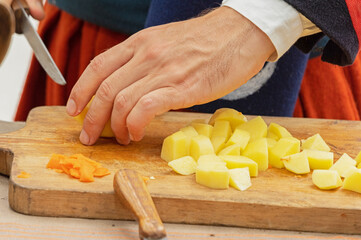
(126, 142)
(84, 138)
(71, 107)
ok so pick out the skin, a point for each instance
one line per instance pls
(36, 9)
(172, 66)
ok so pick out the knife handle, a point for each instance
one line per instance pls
(133, 193)
(16, 6)
(7, 27)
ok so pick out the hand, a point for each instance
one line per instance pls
(171, 66)
(36, 9)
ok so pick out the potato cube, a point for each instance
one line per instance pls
(213, 176)
(234, 117)
(297, 163)
(319, 159)
(258, 152)
(174, 146)
(353, 182)
(200, 145)
(344, 164)
(315, 142)
(234, 150)
(326, 179)
(240, 178)
(241, 162)
(184, 165)
(271, 142)
(256, 127)
(358, 159)
(222, 128)
(218, 143)
(284, 147)
(240, 137)
(277, 132)
(210, 158)
(190, 132)
(203, 129)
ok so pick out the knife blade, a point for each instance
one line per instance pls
(41, 53)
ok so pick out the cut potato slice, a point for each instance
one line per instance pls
(174, 146)
(284, 147)
(241, 162)
(184, 165)
(258, 152)
(315, 142)
(319, 159)
(213, 175)
(222, 128)
(297, 163)
(353, 181)
(240, 178)
(240, 137)
(234, 150)
(326, 179)
(200, 145)
(277, 132)
(203, 129)
(344, 164)
(234, 117)
(256, 127)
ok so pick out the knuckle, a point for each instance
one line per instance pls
(97, 64)
(105, 92)
(120, 103)
(90, 120)
(146, 103)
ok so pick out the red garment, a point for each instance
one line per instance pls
(72, 43)
(354, 7)
(330, 91)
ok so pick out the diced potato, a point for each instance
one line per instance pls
(326, 179)
(258, 152)
(234, 117)
(256, 127)
(190, 132)
(319, 159)
(200, 145)
(344, 164)
(240, 137)
(213, 176)
(315, 142)
(358, 159)
(174, 146)
(297, 163)
(218, 143)
(277, 132)
(353, 182)
(234, 150)
(284, 147)
(210, 158)
(240, 178)
(271, 142)
(184, 165)
(241, 162)
(350, 171)
(222, 128)
(203, 129)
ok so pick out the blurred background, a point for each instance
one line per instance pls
(13, 71)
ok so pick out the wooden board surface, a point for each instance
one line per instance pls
(277, 198)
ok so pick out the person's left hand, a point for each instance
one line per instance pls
(171, 66)
(36, 9)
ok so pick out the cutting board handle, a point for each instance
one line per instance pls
(133, 193)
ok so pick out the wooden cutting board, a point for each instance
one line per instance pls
(277, 198)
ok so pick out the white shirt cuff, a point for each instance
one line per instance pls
(277, 19)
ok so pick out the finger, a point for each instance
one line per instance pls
(96, 72)
(36, 9)
(100, 110)
(150, 105)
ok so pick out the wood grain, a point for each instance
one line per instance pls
(277, 199)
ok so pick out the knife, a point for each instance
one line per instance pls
(133, 194)
(24, 26)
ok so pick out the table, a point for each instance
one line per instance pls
(18, 226)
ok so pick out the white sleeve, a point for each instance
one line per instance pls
(276, 18)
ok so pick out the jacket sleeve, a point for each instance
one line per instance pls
(340, 21)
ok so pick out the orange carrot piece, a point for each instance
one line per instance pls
(54, 162)
(86, 173)
(24, 175)
(101, 172)
(74, 172)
